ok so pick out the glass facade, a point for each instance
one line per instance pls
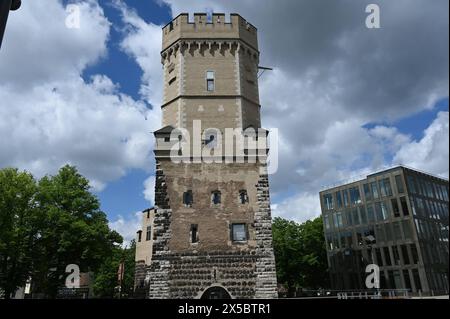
(406, 213)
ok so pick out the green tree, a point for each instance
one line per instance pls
(106, 279)
(286, 243)
(17, 229)
(72, 230)
(300, 254)
(313, 255)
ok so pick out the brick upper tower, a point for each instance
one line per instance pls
(212, 226)
(230, 52)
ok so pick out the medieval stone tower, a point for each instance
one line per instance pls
(212, 233)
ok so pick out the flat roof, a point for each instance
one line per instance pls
(359, 179)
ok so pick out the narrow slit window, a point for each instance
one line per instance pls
(215, 197)
(149, 233)
(188, 198)
(210, 85)
(194, 233)
(243, 197)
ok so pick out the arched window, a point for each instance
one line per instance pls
(243, 197)
(188, 198)
(216, 197)
(215, 293)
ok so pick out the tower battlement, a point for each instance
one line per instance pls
(202, 28)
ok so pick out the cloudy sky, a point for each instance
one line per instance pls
(347, 100)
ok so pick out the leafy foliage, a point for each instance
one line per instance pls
(17, 227)
(106, 279)
(53, 223)
(300, 254)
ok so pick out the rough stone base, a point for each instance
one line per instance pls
(247, 274)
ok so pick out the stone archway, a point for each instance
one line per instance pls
(215, 292)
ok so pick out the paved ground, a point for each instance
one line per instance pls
(432, 297)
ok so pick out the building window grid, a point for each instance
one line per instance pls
(346, 199)
(399, 184)
(408, 252)
(395, 207)
(375, 192)
(355, 195)
(404, 206)
(367, 192)
(338, 199)
(328, 201)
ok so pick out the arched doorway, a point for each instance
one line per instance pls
(215, 292)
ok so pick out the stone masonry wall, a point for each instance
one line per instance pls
(246, 271)
(159, 269)
(266, 280)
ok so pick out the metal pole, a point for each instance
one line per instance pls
(5, 6)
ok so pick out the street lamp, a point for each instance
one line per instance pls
(370, 241)
(5, 7)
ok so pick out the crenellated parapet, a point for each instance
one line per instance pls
(237, 28)
(211, 46)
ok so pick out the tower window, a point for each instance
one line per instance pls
(210, 138)
(210, 81)
(239, 232)
(194, 233)
(215, 197)
(139, 235)
(243, 197)
(149, 233)
(188, 198)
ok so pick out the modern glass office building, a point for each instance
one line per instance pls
(397, 219)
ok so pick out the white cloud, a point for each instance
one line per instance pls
(300, 208)
(50, 116)
(38, 47)
(431, 153)
(143, 43)
(101, 132)
(127, 227)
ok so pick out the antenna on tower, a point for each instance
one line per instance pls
(264, 69)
